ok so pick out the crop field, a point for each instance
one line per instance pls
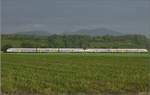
(75, 74)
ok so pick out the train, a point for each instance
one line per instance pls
(74, 50)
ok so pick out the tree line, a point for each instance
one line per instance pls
(74, 41)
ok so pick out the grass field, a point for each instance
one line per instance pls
(78, 73)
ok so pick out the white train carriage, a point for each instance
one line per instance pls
(130, 50)
(71, 50)
(45, 50)
(22, 50)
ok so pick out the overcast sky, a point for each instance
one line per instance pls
(127, 16)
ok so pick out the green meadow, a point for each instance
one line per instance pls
(74, 73)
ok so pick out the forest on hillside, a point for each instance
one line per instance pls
(74, 41)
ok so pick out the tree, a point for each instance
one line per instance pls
(26, 45)
(5, 47)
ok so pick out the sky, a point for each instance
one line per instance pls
(57, 16)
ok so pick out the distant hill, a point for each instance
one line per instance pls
(34, 33)
(90, 32)
(95, 32)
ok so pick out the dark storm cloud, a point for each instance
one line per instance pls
(130, 16)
